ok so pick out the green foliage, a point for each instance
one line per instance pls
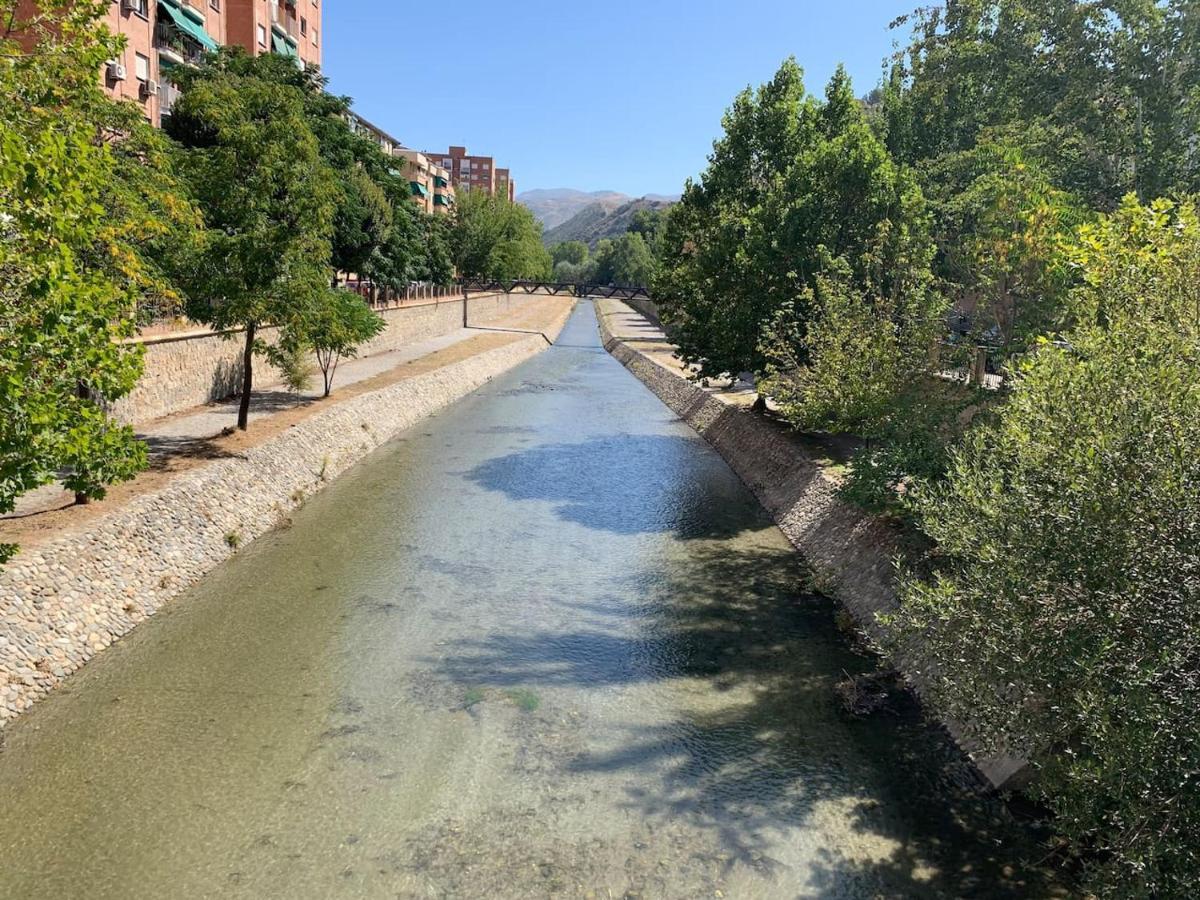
(69, 272)
(1063, 613)
(254, 168)
(340, 324)
(494, 238)
(573, 252)
(1000, 226)
(794, 185)
(1107, 93)
(624, 261)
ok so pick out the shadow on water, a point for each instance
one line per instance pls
(769, 746)
(625, 484)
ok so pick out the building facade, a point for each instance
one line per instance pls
(160, 34)
(432, 189)
(474, 173)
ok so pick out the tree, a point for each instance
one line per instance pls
(718, 281)
(624, 261)
(268, 204)
(337, 328)
(491, 237)
(794, 187)
(573, 252)
(71, 261)
(1062, 616)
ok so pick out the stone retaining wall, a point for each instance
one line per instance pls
(851, 552)
(190, 369)
(65, 600)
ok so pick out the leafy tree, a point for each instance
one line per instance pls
(1104, 92)
(337, 328)
(719, 280)
(71, 261)
(1000, 228)
(492, 237)
(1063, 613)
(624, 261)
(268, 203)
(573, 252)
(793, 185)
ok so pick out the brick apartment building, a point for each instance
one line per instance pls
(164, 33)
(432, 188)
(475, 173)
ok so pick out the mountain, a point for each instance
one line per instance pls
(553, 207)
(600, 220)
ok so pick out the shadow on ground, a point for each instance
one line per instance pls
(773, 748)
(627, 484)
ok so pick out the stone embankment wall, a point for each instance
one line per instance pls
(851, 552)
(65, 600)
(192, 368)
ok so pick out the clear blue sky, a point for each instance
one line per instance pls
(624, 95)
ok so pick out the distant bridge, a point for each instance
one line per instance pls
(556, 288)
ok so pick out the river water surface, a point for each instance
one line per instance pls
(544, 644)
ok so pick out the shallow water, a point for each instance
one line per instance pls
(543, 644)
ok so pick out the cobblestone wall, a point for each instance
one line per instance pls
(63, 601)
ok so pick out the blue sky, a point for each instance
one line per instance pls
(618, 95)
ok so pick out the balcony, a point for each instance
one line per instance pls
(284, 20)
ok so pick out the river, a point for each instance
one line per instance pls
(543, 644)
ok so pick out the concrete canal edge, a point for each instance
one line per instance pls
(67, 599)
(851, 552)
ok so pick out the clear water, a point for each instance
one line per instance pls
(544, 644)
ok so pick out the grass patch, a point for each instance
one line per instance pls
(524, 699)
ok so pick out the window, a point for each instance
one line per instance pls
(215, 4)
(141, 8)
(316, 43)
(262, 36)
(141, 67)
(304, 26)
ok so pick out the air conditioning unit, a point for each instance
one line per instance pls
(131, 5)
(116, 71)
(150, 88)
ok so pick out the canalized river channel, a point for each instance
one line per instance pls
(544, 644)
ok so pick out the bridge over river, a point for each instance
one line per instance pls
(544, 644)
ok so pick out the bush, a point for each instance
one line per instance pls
(1063, 614)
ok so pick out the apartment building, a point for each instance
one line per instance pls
(505, 186)
(287, 27)
(430, 183)
(160, 34)
(472, 173)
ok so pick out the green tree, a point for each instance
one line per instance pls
(625, 261)
(336, 330)
(1062, 617)
(71, 261)
(794, 185)
(268, 203)
(719, 280)
(492, 237)
(573, 252)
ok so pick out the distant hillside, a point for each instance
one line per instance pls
(597, 221)
(553, 207)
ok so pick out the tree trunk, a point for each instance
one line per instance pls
(247, 377)
(760, 404)
(81, 391)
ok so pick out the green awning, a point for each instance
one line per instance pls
(190, 28)
(192, 13)
(441, 200)
(418, 189)
(439, 181)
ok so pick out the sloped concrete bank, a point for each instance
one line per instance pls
(851, 552)
(64, 601)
